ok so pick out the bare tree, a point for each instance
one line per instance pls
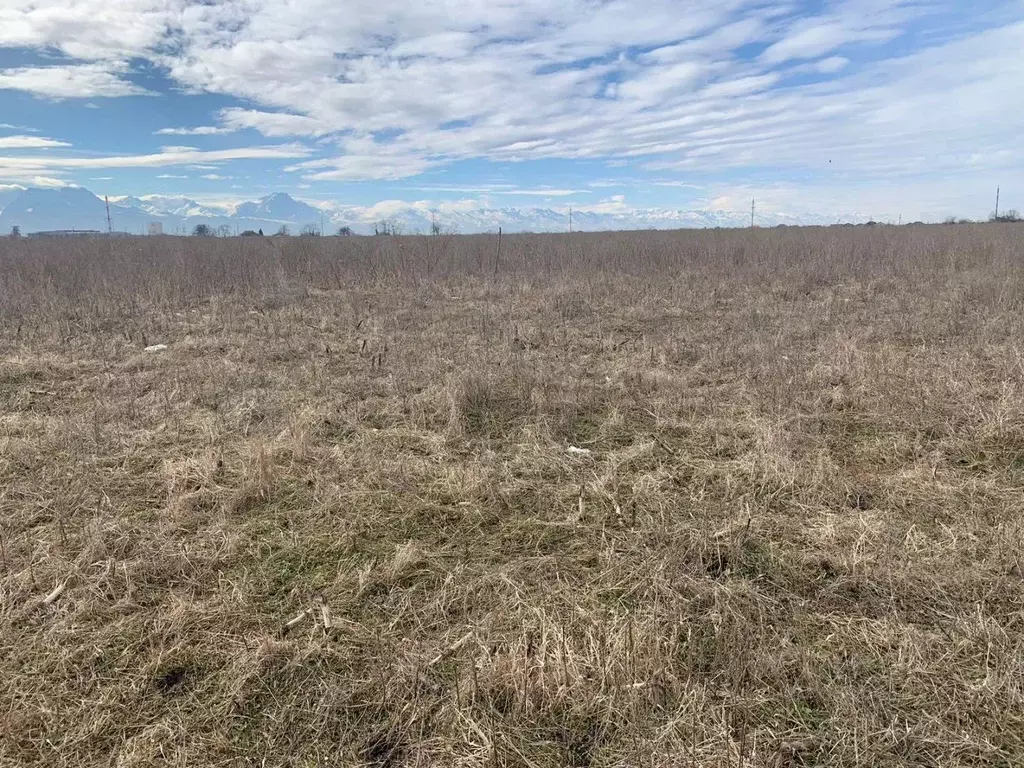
(387, 227)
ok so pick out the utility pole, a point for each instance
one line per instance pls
(997, 202)
(109, 228)
(751, 214)
(321, 223)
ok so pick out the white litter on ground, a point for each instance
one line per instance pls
(578, 451)
(156, 348)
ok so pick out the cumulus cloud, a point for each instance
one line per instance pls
(87, 29)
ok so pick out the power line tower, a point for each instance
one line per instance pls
(110, 229)
(997, 203)
(751, 214)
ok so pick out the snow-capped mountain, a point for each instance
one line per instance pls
(279, 207)
(40, 210)
(163, 205)
(34, 210)
(7, 193)
(416, 218)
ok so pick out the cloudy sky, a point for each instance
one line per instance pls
(911, 108)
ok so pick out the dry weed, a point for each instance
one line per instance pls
(336, 521)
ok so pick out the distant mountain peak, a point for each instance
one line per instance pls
(279, 207)
(36, 209)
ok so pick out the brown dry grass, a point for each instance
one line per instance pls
(796, 540)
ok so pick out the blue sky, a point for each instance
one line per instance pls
(907, 108)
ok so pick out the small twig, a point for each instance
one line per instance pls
(294, 622)
(325, 614)
(733, 529)
(621, 344)
(55, 594)
(451, 648)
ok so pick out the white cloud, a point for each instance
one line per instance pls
(71, 81)
(850, 22)
(613, 204)
(907, 200)
(171, 176)
(807, 43)
(87, 29)
(680, 184)
(392, 89)
(273, 124)
(199, 130)
(10, 167)
(215, 177)
(29, 142)
(31, 180)
(509, 190)
(831, 65)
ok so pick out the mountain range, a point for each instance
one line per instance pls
(64, 208)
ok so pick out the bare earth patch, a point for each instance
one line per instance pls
(337, 521)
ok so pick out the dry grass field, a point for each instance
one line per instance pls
(337, 521)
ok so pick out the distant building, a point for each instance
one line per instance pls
(155, 228)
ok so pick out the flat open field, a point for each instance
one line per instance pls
(337, 521)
